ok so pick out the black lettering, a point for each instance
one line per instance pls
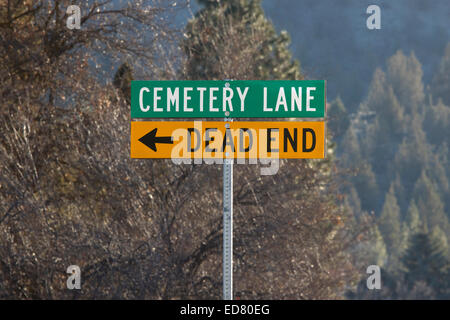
(228, 140)
(313, 145)
(242, 140)
(198, 144)
(209, 139)
(292, 141)
(270, 139)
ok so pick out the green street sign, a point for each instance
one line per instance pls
(233, 99)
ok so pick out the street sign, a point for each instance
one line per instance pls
(220, 139)
(232, 99)
(228, 139)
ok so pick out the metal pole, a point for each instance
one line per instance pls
(228, 228)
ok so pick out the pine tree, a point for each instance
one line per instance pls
(383, 101)
(441, 81)
(350, 151)
(441, 239)
(224, 34)
(425, 261)
(412, 219)
(390, 227)
(338, 119)
(366, 184)
(437, 123)
(387, 131)
(378, 253)
(412, 156)
(429, 203)
(404, 74)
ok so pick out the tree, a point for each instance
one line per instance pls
(122, 81)
(377, 253)
(350, 152)
(390, 226)
(425, 261)
(437, 123)
(366, 184)
(233, 39)
(406, 162)
(69, 194)
(338, 119)
(412, 219)
(429, 203)
(383, 101)
(441, 80)
(404, 74)
(386, 132)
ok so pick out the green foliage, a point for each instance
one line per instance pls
(424, 273)
(390, 225)
(437, 123)
(389, 112)
(234, 39)
(366, 184)
(377, 253)
(429, 203)
(412, 219)
(441, 81)
(338, 119)
(402, 151)
(405, 76)
(411, 157)
(425, 260)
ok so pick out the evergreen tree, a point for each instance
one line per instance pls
(377, 254)
(338, 119)
(412, 219)
(441, 239)
(383, 101)
(366, 184)
(441, 81)
(425, 261)
(385, 134)
(390, 226)
(411, 157)
(405, 76)
(350, 151)
(437, 123)
(429, 203)
(226, 33)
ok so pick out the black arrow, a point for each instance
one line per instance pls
(150, 139)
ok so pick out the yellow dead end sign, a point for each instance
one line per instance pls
(220, 139)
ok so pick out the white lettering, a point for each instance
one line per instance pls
(281, 100)
(212, 98)
(242, 96)
(309, 98)
(173, 98)
(141, 99)
(186, 99)
(156, 98)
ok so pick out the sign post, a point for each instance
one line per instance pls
(226, 140)
(228, 229)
